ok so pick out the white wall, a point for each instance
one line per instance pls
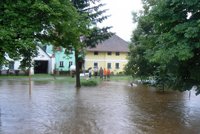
(42, 56)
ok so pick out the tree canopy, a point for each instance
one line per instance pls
(90, 10)
(23, 23)
(60, 22)
(169, 33)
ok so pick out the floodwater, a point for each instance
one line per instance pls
(110, 108)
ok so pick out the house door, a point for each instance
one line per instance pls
(41, 67)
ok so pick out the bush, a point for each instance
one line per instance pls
(120, 74)
(89, 83)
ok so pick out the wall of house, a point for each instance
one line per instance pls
(102, 59)
(16, 65)
(62, 60)
(43, 56)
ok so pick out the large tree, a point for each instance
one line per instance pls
(60, 22)
(17, 29)
(90, 10)
(138, 64)
(173, 41)
(24, 23)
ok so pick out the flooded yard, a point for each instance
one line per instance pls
(57, 107)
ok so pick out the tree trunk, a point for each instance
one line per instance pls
(29, 77)
(163, 87)
(78, 83)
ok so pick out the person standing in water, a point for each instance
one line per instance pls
(101, 73)
(90, 72)
(95, 71)
(108, 73)
(105, 73)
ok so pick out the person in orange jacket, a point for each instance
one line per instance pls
(108, 73)
(104, 73)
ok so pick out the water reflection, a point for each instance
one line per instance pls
(112, 107)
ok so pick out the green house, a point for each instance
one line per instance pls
(63, 61)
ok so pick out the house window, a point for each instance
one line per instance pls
(96, 53)
(109, 53)
(109, 65)
(61, 64)
(117, 53)
(116, 65)
(11, 65)
(95, 64)
(70, 63)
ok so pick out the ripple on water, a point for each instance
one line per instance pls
(112, 107)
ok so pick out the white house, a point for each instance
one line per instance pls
(43, 63)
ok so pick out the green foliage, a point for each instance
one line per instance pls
(168, 32)
(138, 65)
(89, 10)
(24, 23)
(89, 82)
(17, 29)
(63, 25)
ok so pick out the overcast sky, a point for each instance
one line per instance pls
(121, 16)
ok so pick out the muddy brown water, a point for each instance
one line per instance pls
(110, 108)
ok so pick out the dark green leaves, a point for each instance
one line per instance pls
(169, 32)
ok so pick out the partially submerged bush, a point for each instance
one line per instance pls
(89, 83)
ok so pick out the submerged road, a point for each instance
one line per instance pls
(57, 107)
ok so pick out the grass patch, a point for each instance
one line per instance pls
(84, 82)
(89, 82)
(26, 76)
(40, 77)
(65, 79)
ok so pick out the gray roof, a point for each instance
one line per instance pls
(113, 44)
